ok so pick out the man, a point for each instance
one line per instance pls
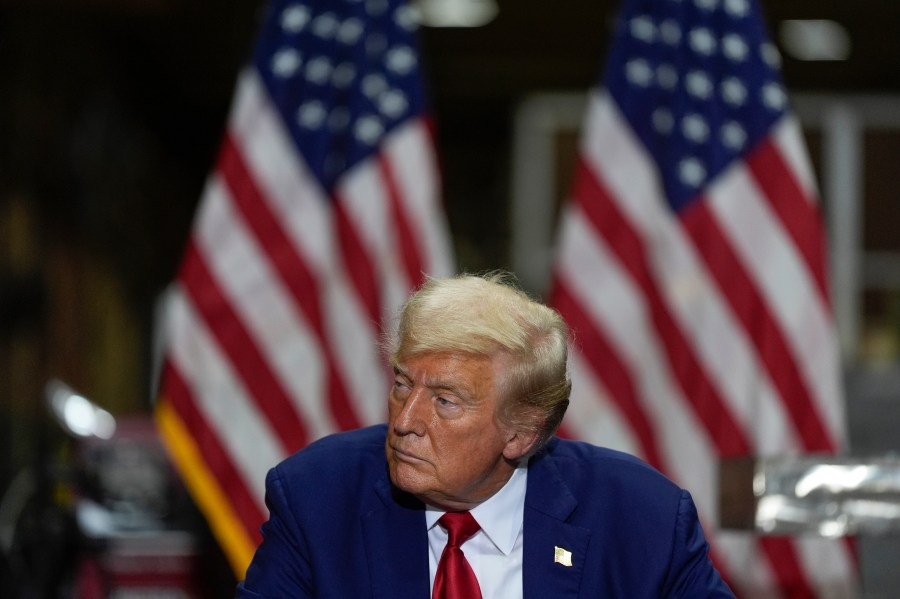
(480, 386)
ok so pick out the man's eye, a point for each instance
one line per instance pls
(443, 401)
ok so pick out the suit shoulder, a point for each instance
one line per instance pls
(579, 460)
(339, 452)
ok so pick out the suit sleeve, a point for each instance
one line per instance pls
(691, 572)
(281, 566)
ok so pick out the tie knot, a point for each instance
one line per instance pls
(460, 526)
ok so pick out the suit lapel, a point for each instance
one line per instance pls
(396, 544)
(548, 504)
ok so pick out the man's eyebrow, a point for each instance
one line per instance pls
(457, 389)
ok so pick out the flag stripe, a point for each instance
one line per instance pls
(265, 307)
(220, 396)
(293, 271)
(708, 406)
(269, 234)
(418, 184)
(751, 308)
(787, 136)
(358, 263)
(592, 415)
(306, 214)
(798, 213)
(214, 454)
(778, 270)
(719, 340)
(356, 345)
(366, 205)
(282, 176)
(752, 574)
(607, 293)
(835, 558)
(597, 352)
(242, 349)
(587, 272)
(792, 578)
(405, 237)
(206, 488)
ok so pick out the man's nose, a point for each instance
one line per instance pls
(410, 418)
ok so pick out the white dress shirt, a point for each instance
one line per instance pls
(495, 551)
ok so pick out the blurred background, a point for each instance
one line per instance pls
(111, 113)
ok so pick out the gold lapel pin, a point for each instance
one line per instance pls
(562, 556)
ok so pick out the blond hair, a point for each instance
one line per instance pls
(485, 315)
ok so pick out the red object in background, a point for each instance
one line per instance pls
(137, 546)
(160, 566)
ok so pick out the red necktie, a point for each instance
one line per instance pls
(454, 578)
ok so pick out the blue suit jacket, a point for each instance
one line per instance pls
(338, 528)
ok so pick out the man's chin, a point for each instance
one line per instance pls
(406, 477)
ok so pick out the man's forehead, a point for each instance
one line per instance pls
(448, 370)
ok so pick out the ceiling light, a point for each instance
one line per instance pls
(456, 13)
(815, 39)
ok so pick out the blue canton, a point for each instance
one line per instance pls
(342, 73)
(699, 82)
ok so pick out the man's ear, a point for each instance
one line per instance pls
(519, 444)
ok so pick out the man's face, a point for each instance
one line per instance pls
(444, 444)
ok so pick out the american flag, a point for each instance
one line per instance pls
(321, 215)
(691, 268)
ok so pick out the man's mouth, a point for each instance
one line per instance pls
(406, 456)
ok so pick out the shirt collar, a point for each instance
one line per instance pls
(500, 516)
